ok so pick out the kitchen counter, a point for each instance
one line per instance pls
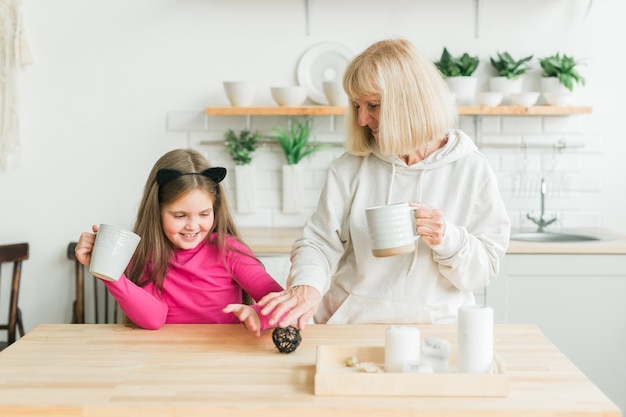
(278, 240)
(270, 240)
(611, 243)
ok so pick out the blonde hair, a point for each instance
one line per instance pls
(154, 248)
(415, 103)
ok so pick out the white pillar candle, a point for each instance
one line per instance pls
(475, 339)
(402, 345)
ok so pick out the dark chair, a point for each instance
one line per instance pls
(15, 254)
(78, 313)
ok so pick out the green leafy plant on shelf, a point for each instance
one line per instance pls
(564, 68)
(508, 67)
(241, 146)
(461, 66)
(295, 142)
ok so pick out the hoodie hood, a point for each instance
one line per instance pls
(458, 146)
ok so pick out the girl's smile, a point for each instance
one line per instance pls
(188, 220)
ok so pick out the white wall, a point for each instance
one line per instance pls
(108, 72)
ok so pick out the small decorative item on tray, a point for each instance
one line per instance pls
(359, 371)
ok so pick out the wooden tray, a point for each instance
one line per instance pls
(333, 377)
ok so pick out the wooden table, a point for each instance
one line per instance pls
(222, 370)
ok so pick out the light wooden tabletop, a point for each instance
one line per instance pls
(222, 370)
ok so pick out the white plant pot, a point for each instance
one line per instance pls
(464, 89)
(292, 188)
(555, 93)
(552, 85)
(245, 188)
(506, 86)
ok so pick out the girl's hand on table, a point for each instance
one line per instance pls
(84, 247)
(296, 303)
(247, 315)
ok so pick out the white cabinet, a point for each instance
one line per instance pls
(579, 302)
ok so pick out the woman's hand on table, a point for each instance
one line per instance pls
(84, 247)
(247, 315)
(297, 303)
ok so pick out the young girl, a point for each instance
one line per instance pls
(190, 265)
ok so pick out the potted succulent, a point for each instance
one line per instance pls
(240, 148)
(509, 67)
(559, 78)
(458, 72)
(295, 143)
(562, 69)
(509, 73)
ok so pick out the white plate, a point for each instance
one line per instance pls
(325, 61)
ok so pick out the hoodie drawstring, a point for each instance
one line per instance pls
(393, 177)
(419, 200)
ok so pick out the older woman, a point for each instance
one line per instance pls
(401, 147)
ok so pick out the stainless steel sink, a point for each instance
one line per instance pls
(554, 237)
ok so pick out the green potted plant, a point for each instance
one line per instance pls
(295, 143)
(240, 147)
(559, 78)
(458, 71)
(509, 67)
(460, 66)
(510, 71)
(562, 68)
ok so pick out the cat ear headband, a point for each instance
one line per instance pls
(165, 175)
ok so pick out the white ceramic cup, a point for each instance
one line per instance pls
(112, 251)
(392, 229)
(240, 93)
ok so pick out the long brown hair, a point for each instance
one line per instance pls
(154, 248)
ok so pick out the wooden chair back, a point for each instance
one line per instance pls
(15, 254)
(100, 315)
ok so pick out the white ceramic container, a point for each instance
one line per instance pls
(289, 96)
(525, 99)
(489, 98)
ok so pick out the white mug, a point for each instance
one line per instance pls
(112, 251)
(392, 229)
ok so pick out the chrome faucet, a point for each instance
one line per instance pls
(541, 221)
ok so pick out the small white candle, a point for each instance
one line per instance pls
(475, 339)
(402, 345)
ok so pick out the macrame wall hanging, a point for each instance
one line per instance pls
(14, 54)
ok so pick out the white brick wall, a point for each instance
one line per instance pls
(521, 149)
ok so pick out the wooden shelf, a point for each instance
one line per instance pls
(541, 110)
(275, 111)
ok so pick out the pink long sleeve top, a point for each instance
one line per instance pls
(196, 288)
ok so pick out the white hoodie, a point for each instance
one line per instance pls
(426, 286)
